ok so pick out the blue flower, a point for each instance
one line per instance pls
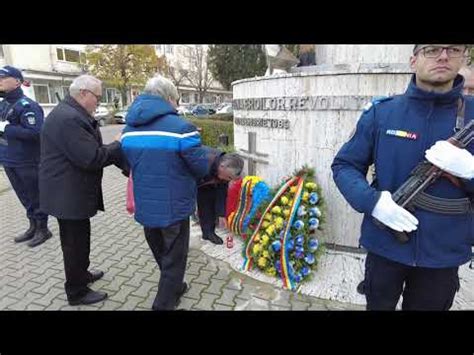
(290, 244)
(313, 223)
(278, 265)
(313, 245)
(313, 198)
(301, 211)
(298, 225)
(299, 254)
(276, 245)
(298, 278)
(314, 212)
(309, 259)
(305, 271)
(300, 239)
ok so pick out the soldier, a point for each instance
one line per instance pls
(21, 120)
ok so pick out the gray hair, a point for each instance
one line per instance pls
(83, 82)
(233, 162)
(161, 86)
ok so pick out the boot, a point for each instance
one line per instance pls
(42, 234)
(213, 238)
(28, 234)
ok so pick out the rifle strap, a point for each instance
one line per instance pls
(460, 115)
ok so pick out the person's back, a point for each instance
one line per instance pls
(157, 143)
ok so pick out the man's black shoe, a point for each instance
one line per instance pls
(41, 235)
(213, 238)
(95, 275)
(89, 298)
(28, 234)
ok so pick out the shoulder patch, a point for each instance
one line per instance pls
(25, 103)
(376, 100)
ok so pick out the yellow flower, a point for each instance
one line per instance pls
(271, 271)
(279, 223)
(265, 238)
(284, 200)
(286, 212)
(293, 189)
(257, 238)
(276, 210)
(265, 224)
(310, 186)
(256, 248)
(262, 262)
(268, 217)
(270, 229)
(266, 254)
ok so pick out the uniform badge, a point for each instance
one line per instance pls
(31, 118)
(401, 134)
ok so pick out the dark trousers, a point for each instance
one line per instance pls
(207, 201)
(24, 181)
(75, 238)
(170, 248)
(423, 289)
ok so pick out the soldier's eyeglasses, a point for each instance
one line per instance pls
(436, 51)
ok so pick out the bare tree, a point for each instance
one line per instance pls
(177, 74)
(198, 73)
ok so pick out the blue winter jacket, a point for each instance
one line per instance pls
(394, 135)
(20, 143)
(166, 159)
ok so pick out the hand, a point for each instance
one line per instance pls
(3, 124)
(222, 222)
(118, 137)
(392, 215)
(447, 157)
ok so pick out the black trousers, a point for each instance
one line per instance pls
(207, 209)
(423, 289)
(24, 181)
(75, 238)
(170, 248)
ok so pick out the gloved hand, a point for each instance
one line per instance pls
(3, 124)
(392, 215)
(453, 160)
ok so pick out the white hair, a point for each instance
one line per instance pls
(83, 82)
(161, 86)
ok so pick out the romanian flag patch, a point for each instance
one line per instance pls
(401, 134)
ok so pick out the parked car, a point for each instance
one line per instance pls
(200, 110)
(225, 109)
(119, 116)
(101, 115)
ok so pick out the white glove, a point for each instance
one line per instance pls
(392, 215)
(3, 124)
(447, 157)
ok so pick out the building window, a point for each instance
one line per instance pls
(169, 49)
(65, 91)
(42, 94)
(70, 55)
(1, 51)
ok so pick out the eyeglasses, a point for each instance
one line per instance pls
(98, 97)
(436, 51)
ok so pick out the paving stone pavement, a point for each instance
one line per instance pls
(32, 279)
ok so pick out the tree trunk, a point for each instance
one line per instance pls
(123, 92)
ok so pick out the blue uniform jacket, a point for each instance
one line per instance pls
(166, 159)
(394, 135)
(20, 143)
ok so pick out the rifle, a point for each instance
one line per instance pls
(425, 174)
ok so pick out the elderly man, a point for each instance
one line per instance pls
(212, 191)
(72, 162)
(166, 159)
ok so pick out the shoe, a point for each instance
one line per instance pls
(30, 233)
(41, 235)
(213, 238)
(89, 298)
(181, 293)
(361, 288)
(95, 275)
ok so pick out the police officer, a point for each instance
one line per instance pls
(395, 134)
(21, 120)
(212, 191)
